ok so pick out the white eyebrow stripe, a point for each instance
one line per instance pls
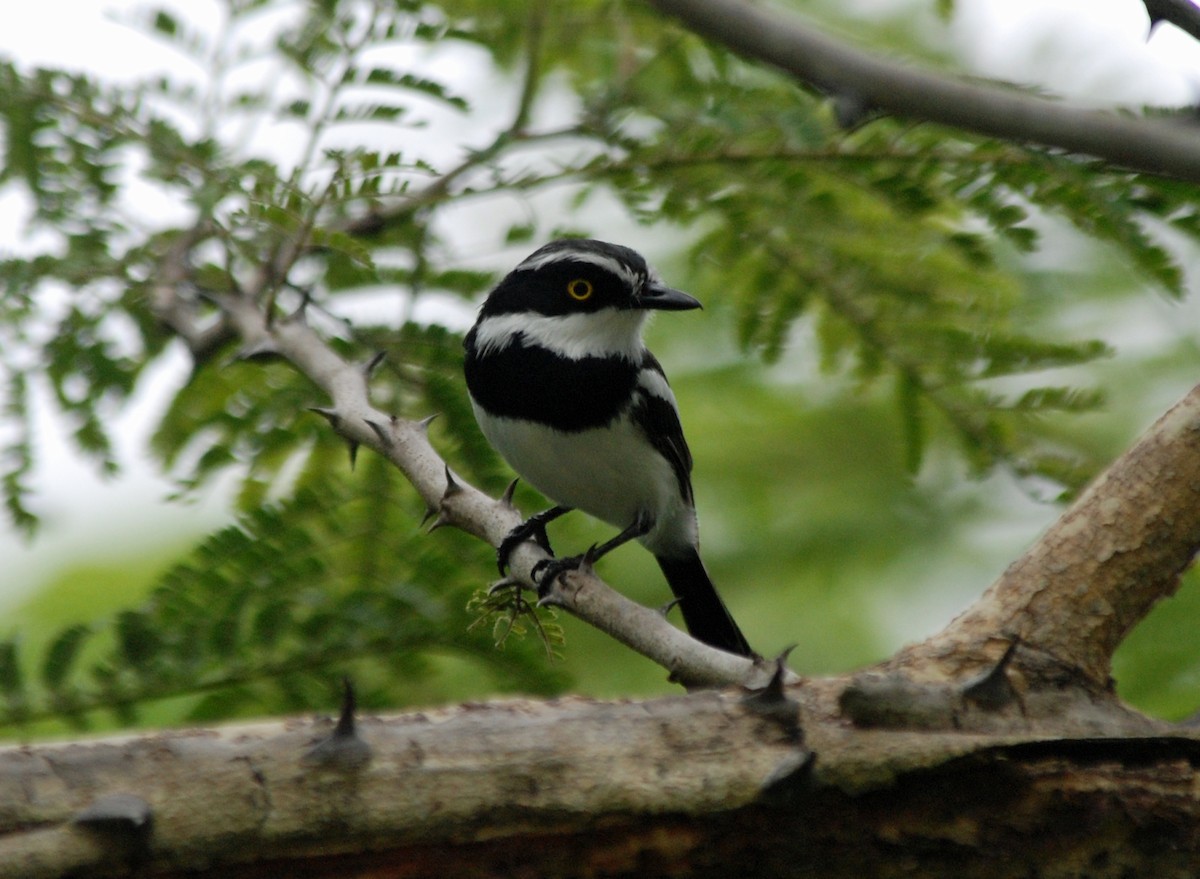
(608, 263)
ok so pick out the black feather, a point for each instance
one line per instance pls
(536, 384)
(659, 421)
(706, 616)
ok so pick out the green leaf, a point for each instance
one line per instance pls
(62, 655)
(165, 23)
(12, 680)
(908, 397)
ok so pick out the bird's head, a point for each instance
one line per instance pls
(581, 276)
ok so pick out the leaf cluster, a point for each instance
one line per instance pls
(266, 614)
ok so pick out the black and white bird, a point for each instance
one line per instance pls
(565, 390)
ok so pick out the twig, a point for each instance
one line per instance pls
(784, 42)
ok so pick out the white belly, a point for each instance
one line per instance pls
(611, 473)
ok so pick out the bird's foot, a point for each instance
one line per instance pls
(532, 528)
(547, 571)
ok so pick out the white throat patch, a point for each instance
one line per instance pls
(605, 333)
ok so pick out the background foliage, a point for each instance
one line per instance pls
(889, 315)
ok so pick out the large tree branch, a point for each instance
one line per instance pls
(782, 41)
(1119, 549)
(713, 784)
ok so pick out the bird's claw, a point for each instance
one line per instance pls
(547, 571)
(527, 530)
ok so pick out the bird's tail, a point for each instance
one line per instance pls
(706, 616)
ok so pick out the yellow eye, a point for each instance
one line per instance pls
(580, 289)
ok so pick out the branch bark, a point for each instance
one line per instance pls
(1117, 551)
(872, 83)
(710, 784)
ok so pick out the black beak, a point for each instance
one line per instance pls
(661, 298)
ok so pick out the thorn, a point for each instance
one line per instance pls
(452, 486)
(371, 365)
(330, 415)
(441, 521)
(353, 452)
(588, 560)
(384, 434)
(773, 692)
(430, 512)
(345, 726)
(992, 690)
(342, 749)
(506, 499)
(773, 702)
(423, 424)
(670, 606)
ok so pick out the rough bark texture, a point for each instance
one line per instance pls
(702, 785)
(1117, 551)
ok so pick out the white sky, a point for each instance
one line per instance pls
(1090, 50)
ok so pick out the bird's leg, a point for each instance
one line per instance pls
(535, 527)
(550, 569)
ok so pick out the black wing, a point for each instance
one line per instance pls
(659, 420)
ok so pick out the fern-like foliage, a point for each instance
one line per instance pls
(267, 614)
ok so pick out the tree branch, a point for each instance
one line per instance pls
(1119, 549)
(179, 313)
(830, 66)
(287, 792)
(710, 784)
